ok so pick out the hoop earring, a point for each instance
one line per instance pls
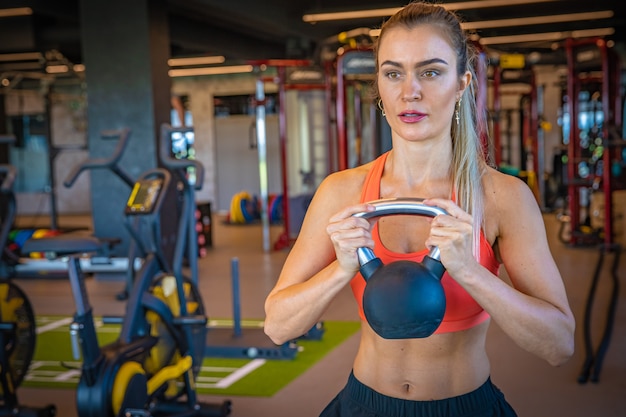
(380, 106)
(456, 112)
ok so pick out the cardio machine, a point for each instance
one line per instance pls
(17, 318)
(150, 370)
(101, 261)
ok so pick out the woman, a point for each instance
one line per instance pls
(424, 80)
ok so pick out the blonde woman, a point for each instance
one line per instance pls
(425, 83)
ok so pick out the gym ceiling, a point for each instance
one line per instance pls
(243, 30)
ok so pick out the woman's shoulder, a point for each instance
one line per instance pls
(504, 187)
(347, 179)
(340, 189)
(508, 200)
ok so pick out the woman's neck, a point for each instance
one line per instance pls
(421, 170)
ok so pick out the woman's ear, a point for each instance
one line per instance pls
(464, 82)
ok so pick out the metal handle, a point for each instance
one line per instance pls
(392, 206)
(75, 340)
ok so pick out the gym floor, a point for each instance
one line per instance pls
(534, 388)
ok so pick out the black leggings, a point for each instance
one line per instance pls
(356, 399)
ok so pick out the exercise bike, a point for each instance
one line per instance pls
(17, 319)
(150, 370)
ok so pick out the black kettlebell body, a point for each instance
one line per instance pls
(403, 299)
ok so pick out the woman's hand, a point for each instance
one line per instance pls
(348, 233)
(452, 234)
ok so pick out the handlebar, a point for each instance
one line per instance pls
(123, 136)
(391, 206)
(10, 173)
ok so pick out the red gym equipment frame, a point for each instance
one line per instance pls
(281, 65)
(610, 81)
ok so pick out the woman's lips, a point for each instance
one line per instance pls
(411, 116)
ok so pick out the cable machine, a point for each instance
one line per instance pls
(305, 102)
(259, 104)
(595, 146)
(65, 84)
(360, 136)
(513, 69)
(593, 137)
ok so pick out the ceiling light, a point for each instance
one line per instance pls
(483, 4)
(188, 72)
(16, 11)
(549, 36)
(22, 56)
(525, 21)
(200, 60)
(362, 14)
(357, 14)
(57, 69)
(537, 20)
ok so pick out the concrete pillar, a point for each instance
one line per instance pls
(125, 49)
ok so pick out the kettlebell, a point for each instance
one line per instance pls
(404, 299)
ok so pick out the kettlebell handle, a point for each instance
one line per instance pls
(392, 206)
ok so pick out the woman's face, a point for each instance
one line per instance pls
(418, 82)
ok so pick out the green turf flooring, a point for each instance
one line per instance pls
(54, 366)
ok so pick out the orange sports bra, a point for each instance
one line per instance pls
(462, 312)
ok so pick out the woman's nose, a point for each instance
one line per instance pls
(412, 89)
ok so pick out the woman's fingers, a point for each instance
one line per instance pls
(450, 207)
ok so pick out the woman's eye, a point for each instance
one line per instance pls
(430, 73)
(393, 75)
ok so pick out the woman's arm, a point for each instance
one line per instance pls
(534, 311)
(322, 260)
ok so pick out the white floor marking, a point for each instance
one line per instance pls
(235, 376)
(54, 325)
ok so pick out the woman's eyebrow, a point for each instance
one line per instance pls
(417, 65)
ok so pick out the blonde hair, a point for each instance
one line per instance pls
(468, 159)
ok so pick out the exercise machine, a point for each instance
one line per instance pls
(594, 146)
(226, 342)
(249, 342)
(101, 261)
(150, 370)
(17, 320)
(261, 143)
(104, 262)
(358, 127)
(594, 106)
